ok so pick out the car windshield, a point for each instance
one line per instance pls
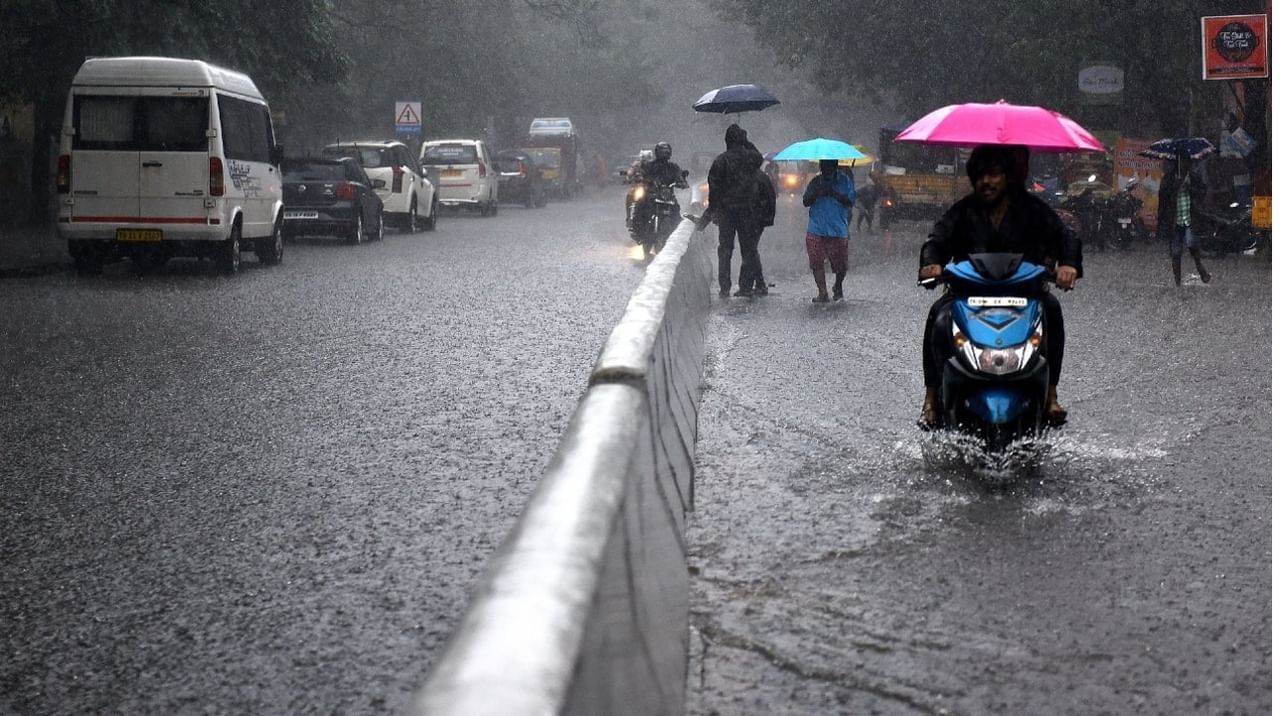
(449, 154)
(368, 157)
(313, 171)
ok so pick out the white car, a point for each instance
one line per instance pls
(468, 176)
(408, 197)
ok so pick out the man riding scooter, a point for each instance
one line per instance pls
(998, 216)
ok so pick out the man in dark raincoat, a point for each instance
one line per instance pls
(733, 200)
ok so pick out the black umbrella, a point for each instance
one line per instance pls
(735, 99)
(1172, 148)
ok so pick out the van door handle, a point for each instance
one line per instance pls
(152, 164)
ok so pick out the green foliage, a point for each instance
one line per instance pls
(921, 55)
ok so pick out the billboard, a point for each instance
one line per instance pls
(1130, 165)
(1234, 47)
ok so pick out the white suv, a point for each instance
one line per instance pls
(468, 176)
(408, 197)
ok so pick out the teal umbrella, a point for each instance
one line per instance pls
(813, 150)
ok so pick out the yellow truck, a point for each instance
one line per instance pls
(919, 181)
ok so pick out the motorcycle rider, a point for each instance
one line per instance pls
(998, 216)
(658, 171)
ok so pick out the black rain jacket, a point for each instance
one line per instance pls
(1029, 227)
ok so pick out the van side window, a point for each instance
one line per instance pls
(246, 129)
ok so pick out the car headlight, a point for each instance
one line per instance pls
(997, 361)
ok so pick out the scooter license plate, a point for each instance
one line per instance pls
(996, 301)
(1125, 222)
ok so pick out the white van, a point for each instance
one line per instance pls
(162, 157)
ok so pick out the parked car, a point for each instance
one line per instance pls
(331, 197)
(520, 179)
(162, 157)
(409, 198)
(468, 177)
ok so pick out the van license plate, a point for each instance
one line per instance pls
(302, 215)
(139, 235)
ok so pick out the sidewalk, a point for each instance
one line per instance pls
(31, 250)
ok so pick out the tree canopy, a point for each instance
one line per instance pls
(922, 55)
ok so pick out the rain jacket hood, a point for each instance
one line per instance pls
(731, 181)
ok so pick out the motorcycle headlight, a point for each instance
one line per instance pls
(997, 361)
(638, 192)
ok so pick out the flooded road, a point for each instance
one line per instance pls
(272, 493)
(845, 562)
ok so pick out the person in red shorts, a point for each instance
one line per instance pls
(829, 198)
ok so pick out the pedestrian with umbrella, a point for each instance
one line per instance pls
(829, 197)
(1181, 198)
(733, 201)
(1000, 215)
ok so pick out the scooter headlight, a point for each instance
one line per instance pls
(997, 361)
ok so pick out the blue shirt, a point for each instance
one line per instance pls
(828, 217)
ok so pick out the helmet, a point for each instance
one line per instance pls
(662, 150)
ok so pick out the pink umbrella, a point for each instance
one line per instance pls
(968, 125)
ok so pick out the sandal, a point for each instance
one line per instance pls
(1055, 415)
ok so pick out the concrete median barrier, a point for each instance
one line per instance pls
(584, 607)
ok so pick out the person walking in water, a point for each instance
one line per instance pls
(829, 198)
(1181, 197)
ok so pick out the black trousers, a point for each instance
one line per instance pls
(937, 337)
(747, 229)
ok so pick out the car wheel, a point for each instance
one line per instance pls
(528, 198)
(270, 250)
(227, 253)
(357, 227)
(381, 230)
(430, 223)
(484, 209)
(411, 222)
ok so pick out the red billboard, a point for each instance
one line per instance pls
(1234, 47)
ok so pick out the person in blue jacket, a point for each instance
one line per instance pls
(829, 197)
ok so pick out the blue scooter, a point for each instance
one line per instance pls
(995, 382)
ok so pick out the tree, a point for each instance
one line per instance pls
(922, 55)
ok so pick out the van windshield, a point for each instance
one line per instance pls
(152, 124)
(450, 154)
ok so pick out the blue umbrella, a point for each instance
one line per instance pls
(813, 150)
(734, 99)
(1189, 147)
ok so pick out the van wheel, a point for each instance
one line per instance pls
(411, 222)
(430, 223)
(270, 250)
(357, 228)
(227, 255)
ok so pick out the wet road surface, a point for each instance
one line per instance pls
(272, 493)
(845, 563)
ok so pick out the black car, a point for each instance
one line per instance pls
(330, 197)
(519, 179)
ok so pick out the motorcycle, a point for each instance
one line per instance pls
(1088, 207)
(996, 381)
(1231, 232)
(653, 212)
(1122, 219)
